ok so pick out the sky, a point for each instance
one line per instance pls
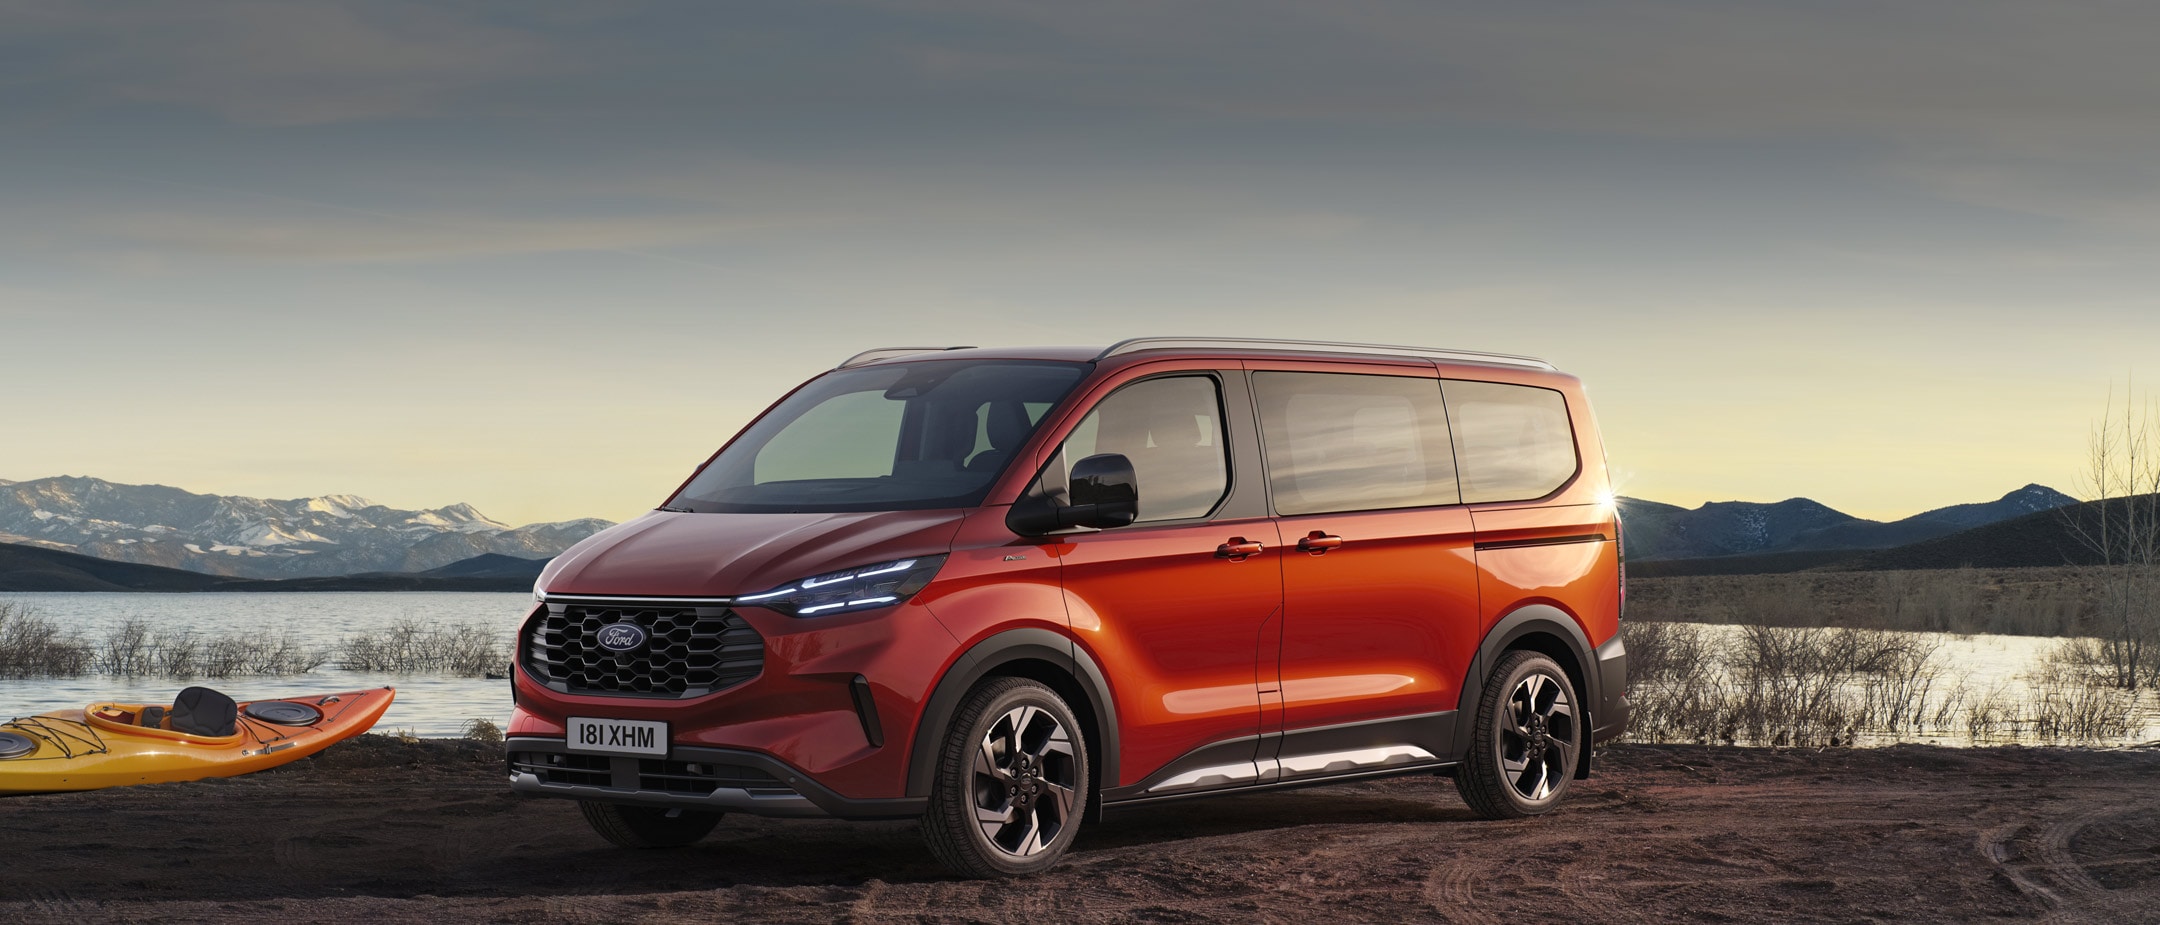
(545, 258)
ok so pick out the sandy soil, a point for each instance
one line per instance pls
(377, 831)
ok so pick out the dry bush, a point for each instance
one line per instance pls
(1783, 685)
(409, 646)
(34, 647)
(133, 649)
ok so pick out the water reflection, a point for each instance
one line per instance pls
(427, 704)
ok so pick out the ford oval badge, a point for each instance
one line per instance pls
(622, 637)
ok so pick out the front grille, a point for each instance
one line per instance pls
(692, 777)
(689, 651)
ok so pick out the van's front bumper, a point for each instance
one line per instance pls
(715, 779)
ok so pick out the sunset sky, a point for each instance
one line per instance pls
(543, 258)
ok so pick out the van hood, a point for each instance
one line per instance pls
(670, 554)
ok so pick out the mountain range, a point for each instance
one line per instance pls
(255, 538)
(1655, 531)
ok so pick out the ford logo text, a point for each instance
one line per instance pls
(622, 637)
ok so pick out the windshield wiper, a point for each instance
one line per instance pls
(675, 510)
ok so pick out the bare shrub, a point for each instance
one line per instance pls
(1991, 715)
(480, 729)
(1657, 651)
(134, 649)
(126, 650)
(410, 646)
(34, 647)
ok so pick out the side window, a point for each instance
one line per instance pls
(1340, 442)
(1172, 431)
(1514, 442)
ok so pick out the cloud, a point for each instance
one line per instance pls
(360, 238)
(279, 62)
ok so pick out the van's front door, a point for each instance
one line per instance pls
(1181, 599)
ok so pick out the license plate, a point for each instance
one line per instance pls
(618, 737)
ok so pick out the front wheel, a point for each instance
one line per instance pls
(1528, 735)
(647, 826)
(1012, 782)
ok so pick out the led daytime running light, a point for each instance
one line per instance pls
(877, 585)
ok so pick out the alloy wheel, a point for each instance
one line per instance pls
(1024, 781)
(1537, 736)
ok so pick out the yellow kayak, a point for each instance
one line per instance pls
(203, 734)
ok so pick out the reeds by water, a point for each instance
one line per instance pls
(1811, 686)
(411, 646)
(35, 647)
(136, 649)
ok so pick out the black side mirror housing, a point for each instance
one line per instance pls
(1104, 493)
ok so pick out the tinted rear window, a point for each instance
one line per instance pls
(1512, 442)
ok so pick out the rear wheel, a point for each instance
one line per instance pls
(1528, 733)
(1012, 782)
(647, 826)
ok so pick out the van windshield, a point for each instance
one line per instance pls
(906, 436)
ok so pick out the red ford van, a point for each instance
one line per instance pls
(1007, 590)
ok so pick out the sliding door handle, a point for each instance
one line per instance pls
(1237, 549)
(1318, 542)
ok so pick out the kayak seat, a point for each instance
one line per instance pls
(152, 717)
(204, 712)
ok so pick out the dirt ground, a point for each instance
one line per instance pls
(377, 830)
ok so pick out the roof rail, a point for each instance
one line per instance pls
(887, 353)
(1132, 345)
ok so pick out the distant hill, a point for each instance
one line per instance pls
(326, 536)
(1744, 528)
(491, 566)
(34, 568)
(2043, 538)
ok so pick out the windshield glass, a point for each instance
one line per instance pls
(907, 436)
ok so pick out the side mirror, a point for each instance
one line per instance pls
(1103, 491)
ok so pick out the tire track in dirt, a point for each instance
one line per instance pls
(1451, 890)
(2074, 896)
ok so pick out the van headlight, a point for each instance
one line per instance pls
(862, 588)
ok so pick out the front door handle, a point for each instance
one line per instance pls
(1319, 541)
(1237, 549)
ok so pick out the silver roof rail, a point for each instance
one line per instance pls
(1135, 344)
(887, 353)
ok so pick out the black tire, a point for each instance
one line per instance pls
(647, 826)
(1012, 782)
(1529, 733)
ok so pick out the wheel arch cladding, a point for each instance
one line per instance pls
(1038, 655)
(1547, 630)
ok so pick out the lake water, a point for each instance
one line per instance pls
(437, 705)
(432, 705)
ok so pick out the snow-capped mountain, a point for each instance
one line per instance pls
(258, 538)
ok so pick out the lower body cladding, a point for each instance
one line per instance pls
(1378, 748)
(1613, 708)
(713, 779)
